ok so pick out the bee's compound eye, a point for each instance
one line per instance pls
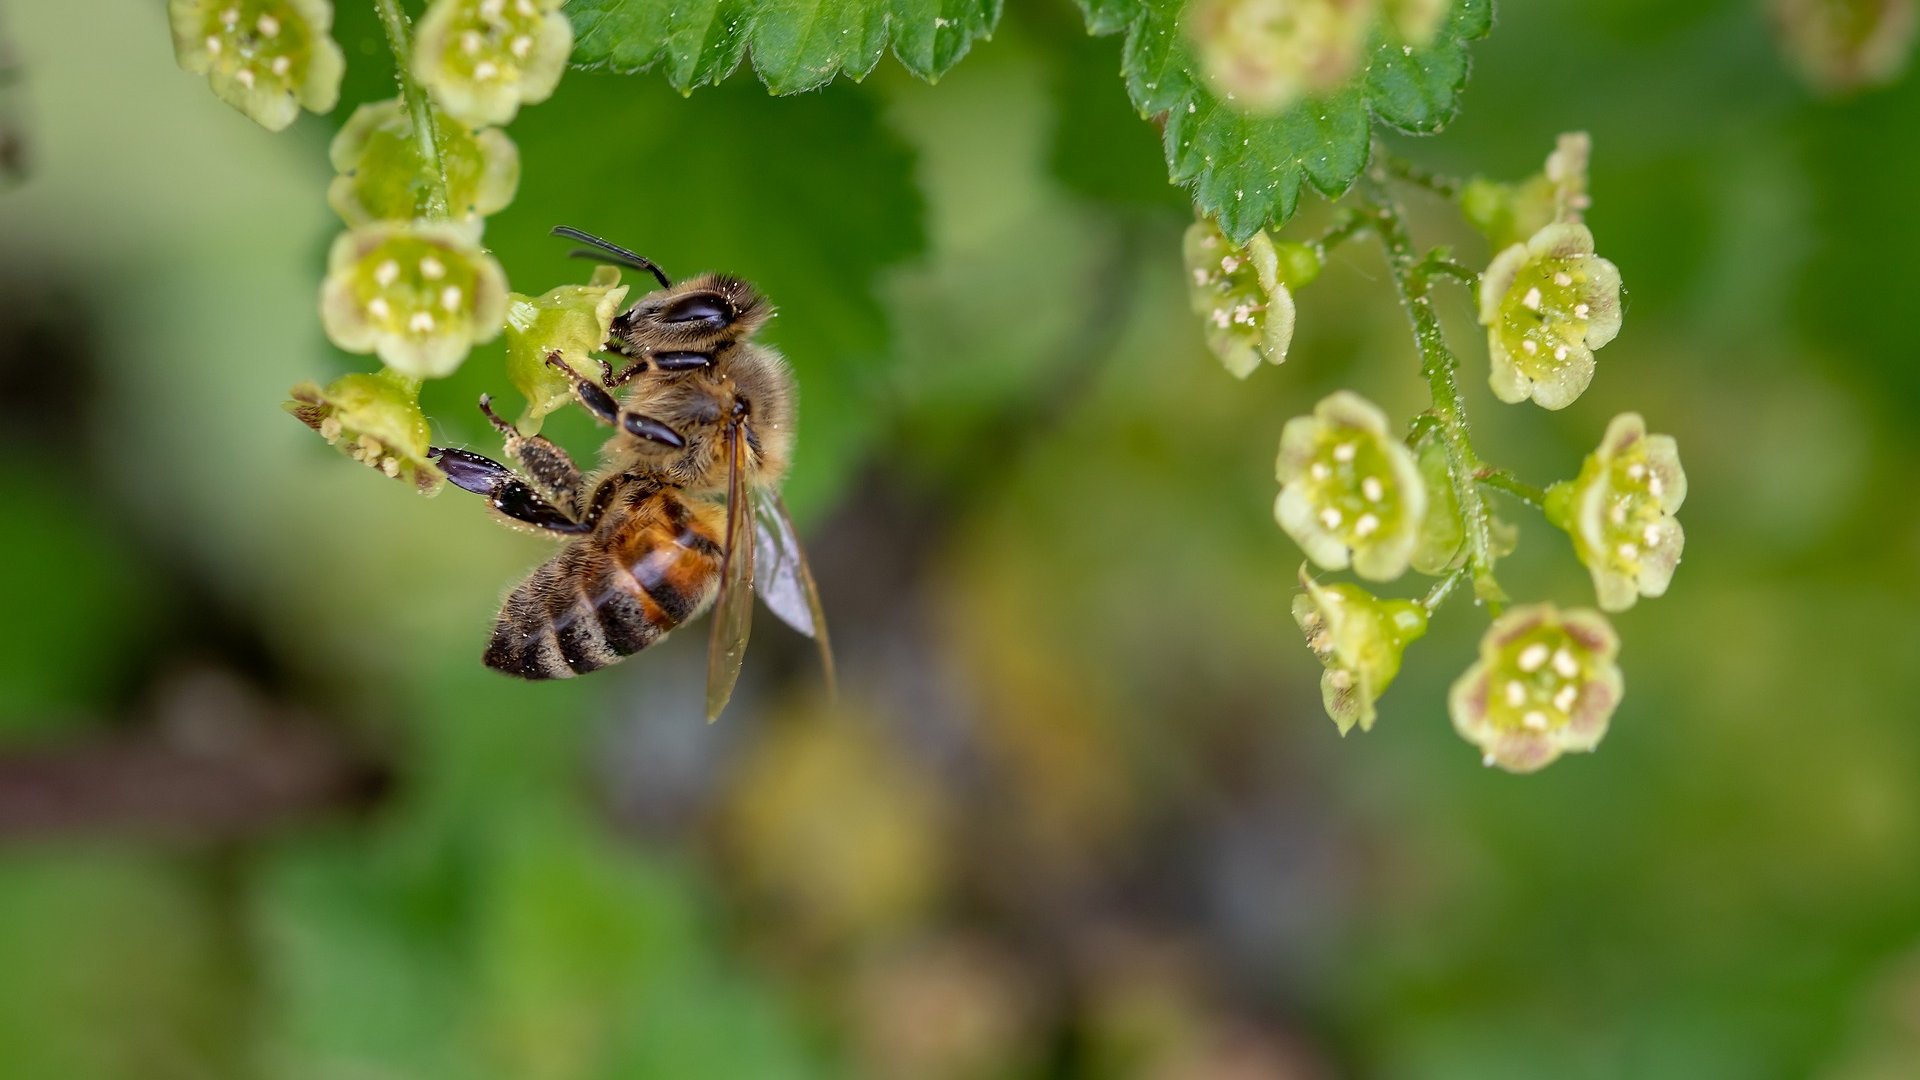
(709, 308)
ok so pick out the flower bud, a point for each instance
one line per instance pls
(1359, 638)
(375, 420)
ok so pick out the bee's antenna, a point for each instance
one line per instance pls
(620, 255)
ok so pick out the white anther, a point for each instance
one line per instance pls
(1618, 512)
(269, 26)
(1565, 664)
(377, 307)
(281, 65)
(1229, 263)
(1628, 552)
(1563, 279)
(485, 69)
(421, 323)
(1529, 346)
(1345, 451)
(450, 298)
(470, 41)
(1580, 311)
(1636, 471)
(1319, 470)
(1559, 352)
(1373, 489)
(431, 268)
(1341, 678)
(1367, 525)
(390, 466)
(492, 9)
(1535, 720)
(386, 273)
(525, 7)
(1655, 486)
(230, 17)
(1516, 692)
(1533, 656)
(330, 428)
(213, 45)
(1565, 699)
(1650, 535)
(1330, 517)
(1199, 275)
(244, 77)
(1531, 301)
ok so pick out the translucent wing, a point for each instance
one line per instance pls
(782, 576)
(733, 609)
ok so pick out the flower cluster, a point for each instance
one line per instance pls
(1546, 684)
(483, 59)
(267, 58)
(1263, 55)
(1620, 509)
(1547, 305)
(1350, 491)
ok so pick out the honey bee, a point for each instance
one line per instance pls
(684, 512)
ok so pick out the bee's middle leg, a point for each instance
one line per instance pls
(550, 469)
(601, 404)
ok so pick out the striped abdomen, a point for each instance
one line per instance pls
(649, 567)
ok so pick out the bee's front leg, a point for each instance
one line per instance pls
(597, 401)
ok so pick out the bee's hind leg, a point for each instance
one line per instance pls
(505, 491)
(550, 469)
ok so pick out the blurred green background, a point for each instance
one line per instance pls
(1078, 812)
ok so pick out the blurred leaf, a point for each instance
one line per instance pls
(797, 45)
(1248, 169)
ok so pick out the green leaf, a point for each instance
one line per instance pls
(1247, 169)
(797, 45)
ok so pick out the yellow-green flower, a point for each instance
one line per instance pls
(483, 59)
(1547, 304)
(1359, 638)
(1546, 684)
(571, 320)
(1349, 491)
(267, 58)
(1620, 509)
(1241, 294)
(1263, 55)
(1417, 21)
(375, 420)
(382, 178)
(420, 295)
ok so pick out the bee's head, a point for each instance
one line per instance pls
(698, 314)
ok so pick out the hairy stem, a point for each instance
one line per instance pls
(1348, 226)
(1399, 168)
(1441, 589)
(1437, 363)
(1502, 480)
(419, 111)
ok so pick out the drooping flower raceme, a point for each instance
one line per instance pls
(374, 419)
(1546, 684)
(1263, 55)
(1349, 491)
(571, 320)
(1359, 637)
(267, 58)
(483, 59)
(1547, 304)
(1241, 294)
(381, 176)
(1620, 509)
(420, 295)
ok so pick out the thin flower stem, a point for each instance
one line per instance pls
(1435, 265)
(1442, 589)
(1502, 480)
(1349, 226)
(419, 111)
(1437, 363)
(1399, 168)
